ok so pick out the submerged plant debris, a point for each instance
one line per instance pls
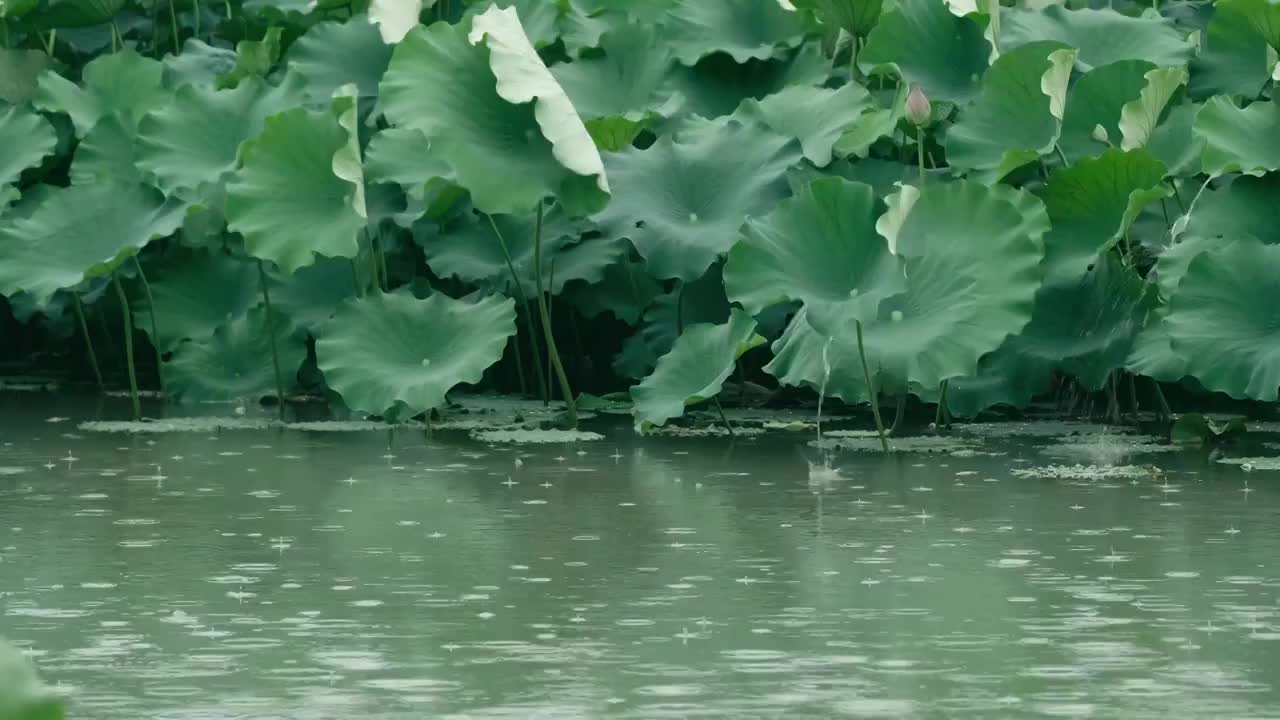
(1087, 472)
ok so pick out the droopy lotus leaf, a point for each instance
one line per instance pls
(234, 363)
(508, 150)
(855, 17)
(972, 270)
(332, 54)
(195, 292)
(1101, 37)
(700, 301)
(1222, 320)
(1004, 377)
(1233, 52)
(123, 83)
(817, 117)
(682, 200)
(80, 232)
(404, 156)
(631, 80)
(742, 29)
(196, 139)
(23, 696)
(818, 247)
(27, 139)
(387, 353)
(310, 296)
(624, 289)
(20, 73)
(1239, 139)
(717, 85)
(944, 54)
(1096, 99)
(1139, 118)
(804, 358)
(1012, 122)
(1243, 208)
(699, 362)
(106, 154)
(395, 18)
(286, 200)
(1092, 204)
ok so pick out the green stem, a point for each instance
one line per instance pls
(871, 390)
(898, 414)
(723, 418)
(854, 75)
(53, 39)
(1113, 402)
(173, 25)
(920, 153)
(271, 332)
(117, 40)
(88, 342)
(228, 2)
(128, 346)
(552, 353)
(1133, 396)
(4, 32)
(943, 416)
(550, 295)
(379, 282)
(195, 10)
(528, 309)
(155, 330)
(355, 278)
(1062, 155)
(1165, 410)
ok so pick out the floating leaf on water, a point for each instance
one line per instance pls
(177, 425)
(1087, 472)
(535, 436)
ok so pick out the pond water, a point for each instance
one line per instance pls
(303, 574)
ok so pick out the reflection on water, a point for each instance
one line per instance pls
(374, 575)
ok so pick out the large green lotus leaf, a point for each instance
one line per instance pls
(20, 74)
(742, 29)
(700, 301)
(23, 696)
(717, 85)
(1005, 377)
(945, 55)
(470, 250)
(1263, 17)
(1087, 326)
(387, 352)
(333, 54)
(310, 296)
(1101, 37)
(882, 175)
(856, 17)
(198, 64)
(818, 247)
(1010, 123)
(404, 156)
(701, 359)
(1092, 205)
(972, 271)
(494, 137)
(815, 116)
(106, 154)
(286, 200)
(27, 139)
(123, 83)
(196, 139)
(235, 362)
(75, 13)
(1239, 139)
(1243, 208)
(1175, 143)
(80, 232)
(254, 58)
(1139, 118)
(630, 80)
(871, 126)
(395, 18)
(1152, 353)
(1222, 319)
(577, 23)
(1233, 56)
(195, 292)
(804, 358)
(1096, 99)
(624, 289)
(682, 200)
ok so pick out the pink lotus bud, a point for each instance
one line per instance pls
(918, 108)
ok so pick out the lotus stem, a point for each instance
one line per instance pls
(871, 391)
(899, 413)
(1113, 402)
(920, 153)
(155, 331)
(355, 278)
(128, 346)
(528, 310)
(195, 11)
(53, 38)
(1133, 396)
(723, 418)
(271, 333)
(550, 295)
(228, 3)
(1165, 411)
(854, 74)
(88, 342)
(173, 25)
(1062, 155)
(943, 417)
(377, 263)
(552, 353)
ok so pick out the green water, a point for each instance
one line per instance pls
(371, 575)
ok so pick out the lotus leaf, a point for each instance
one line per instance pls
(331, 55)
(1004, 377)
(286, 200)
(195, 292)
(196, 139)
(20, 74)
(124, 84)
(945, 55)
(23, 696)
(817, 117)
(717, 85)
(80, 232)
(309, 296)
(1139, 118)
(700, 301)
(682, 200)
(1152, 354)
(804, 358)
(404, 156)
(107, 154)
(624, 289)
(234, 363)
(198, 64)
(508, 150)
(1233, 59)
(254, 58)
(1245, 207)
(1239, 139)
(695, 369)
(856, 17)
(1222, 320)
(819, 247)
(392, 353)
(743, 29)
(1101, 37)
(75, 13)
(1095, 100)
(395, 18)
(1092, 205)
(29, 139)
(1174, 142)
(630, 82)
(1012, 122)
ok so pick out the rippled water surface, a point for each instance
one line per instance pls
(287, 574)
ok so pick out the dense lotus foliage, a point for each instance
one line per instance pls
(967, 202)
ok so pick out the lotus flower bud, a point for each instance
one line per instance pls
(918, 109)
